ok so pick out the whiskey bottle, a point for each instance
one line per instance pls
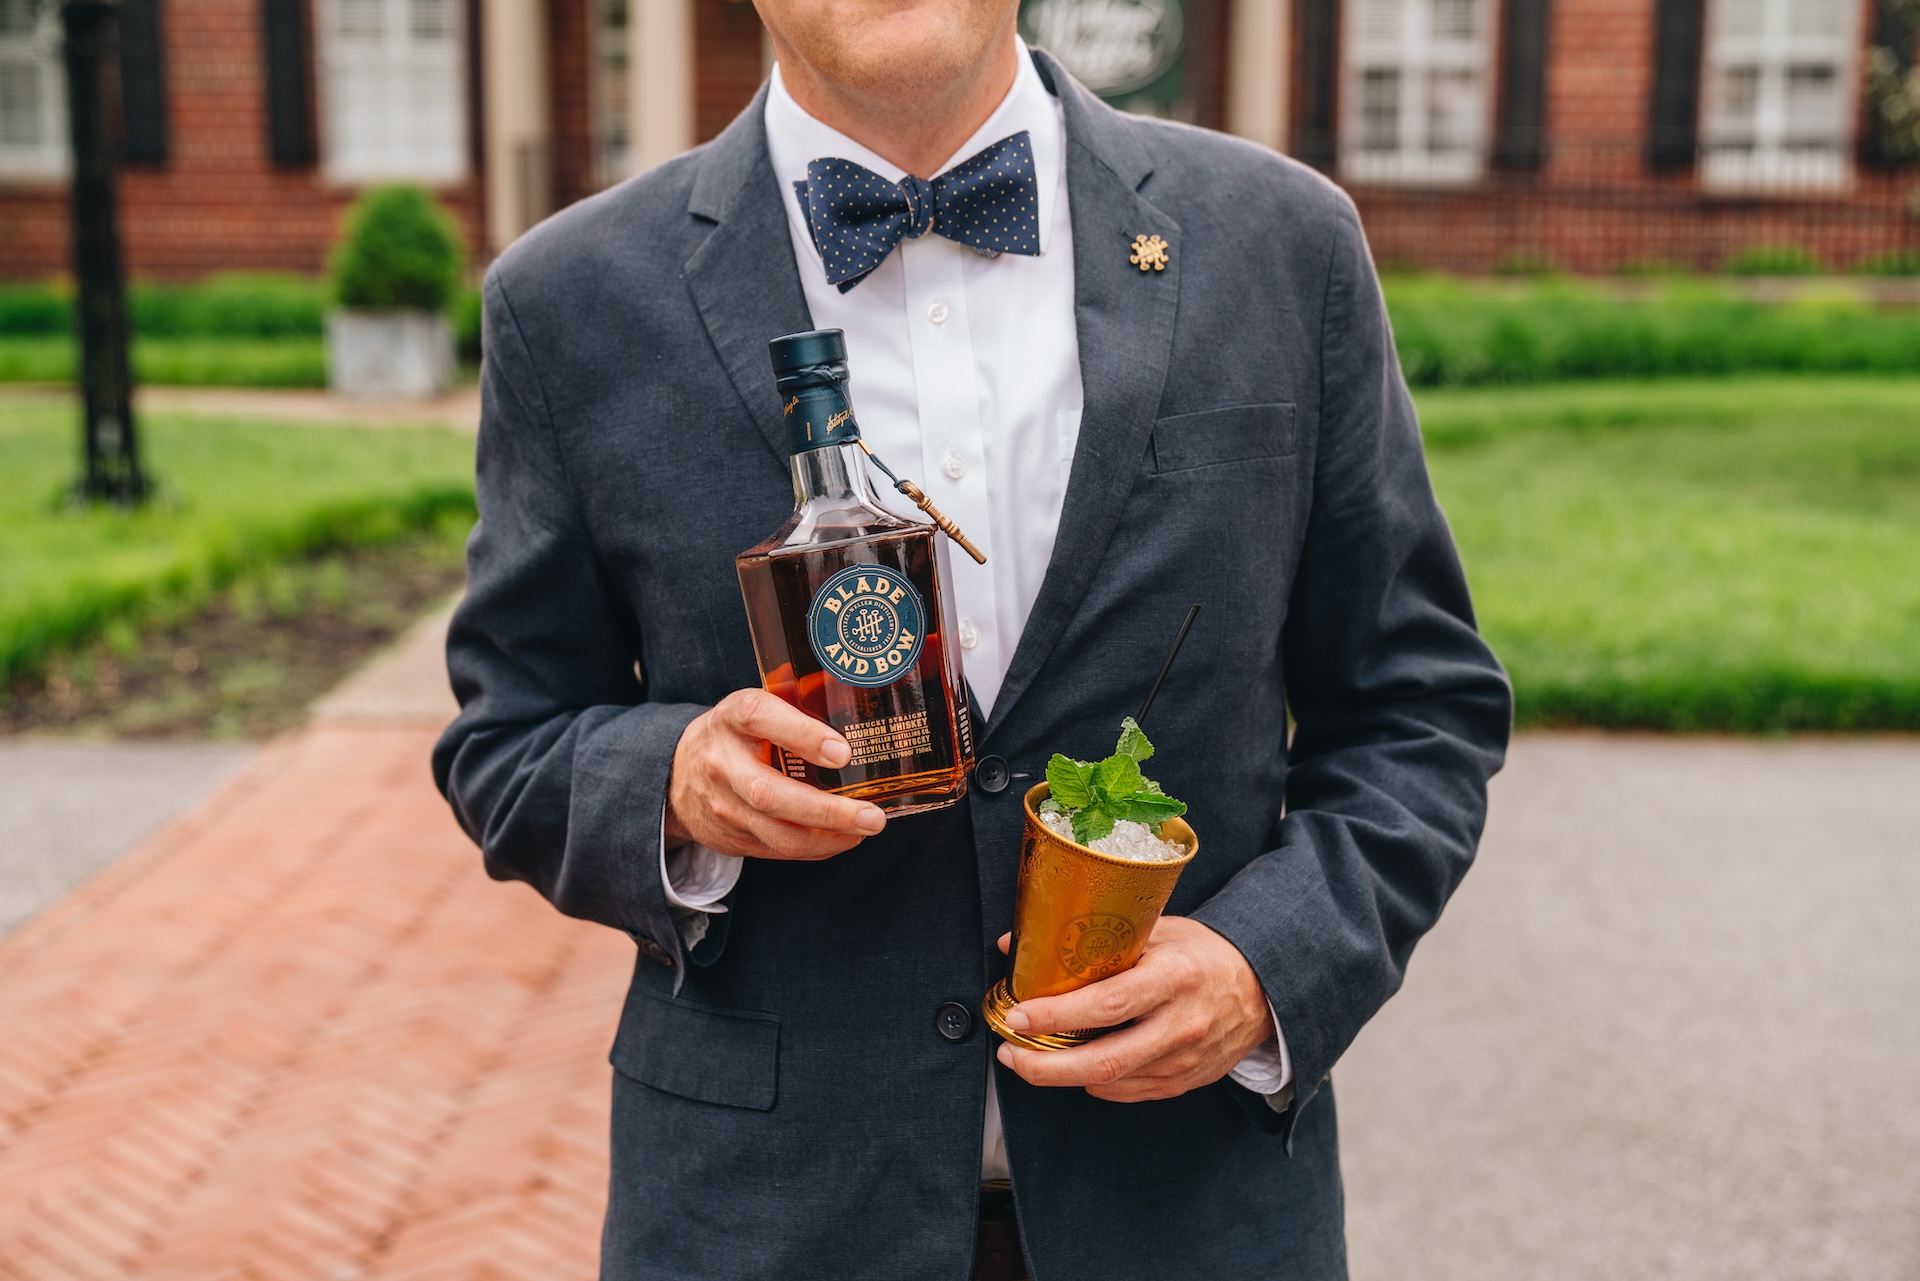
(851, 606)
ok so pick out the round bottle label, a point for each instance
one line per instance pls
(866, 625)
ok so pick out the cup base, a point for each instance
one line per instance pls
(994, 1009)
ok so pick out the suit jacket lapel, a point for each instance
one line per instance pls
(1125, 320)
(743, 278)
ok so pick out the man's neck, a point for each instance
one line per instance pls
(920, 134)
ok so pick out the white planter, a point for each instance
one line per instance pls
(389, 353)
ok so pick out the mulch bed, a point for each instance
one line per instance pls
(249, 664)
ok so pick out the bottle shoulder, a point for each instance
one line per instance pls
(828, 523)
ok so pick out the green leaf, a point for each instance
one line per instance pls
(1149, 808)
(1070, 782)
(1091, 824)
(1051, 806)
(1133, 741)
(1116, 778)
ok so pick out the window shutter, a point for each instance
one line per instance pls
(1317, 65)
(1673, 121)
(143, 85)
(1520, 139)
(289, 83)
(1893, 31)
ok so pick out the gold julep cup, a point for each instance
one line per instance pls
(1079, 916)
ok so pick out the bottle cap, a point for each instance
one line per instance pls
(796, 355)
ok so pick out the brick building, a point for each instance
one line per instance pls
(1594, 133)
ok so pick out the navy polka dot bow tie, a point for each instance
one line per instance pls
(989, 201)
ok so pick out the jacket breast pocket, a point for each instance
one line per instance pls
(1237, 434)
(701, 1052)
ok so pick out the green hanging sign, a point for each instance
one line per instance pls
(1127, 51)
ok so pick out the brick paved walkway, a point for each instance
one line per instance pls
(299, 1035)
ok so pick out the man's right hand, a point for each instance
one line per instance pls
(725, 795)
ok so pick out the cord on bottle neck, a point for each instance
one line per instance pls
(919, 499)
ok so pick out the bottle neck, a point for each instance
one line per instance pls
(837, 472)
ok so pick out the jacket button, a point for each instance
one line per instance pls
(653, 951)
(992, 775)
(953, 1021)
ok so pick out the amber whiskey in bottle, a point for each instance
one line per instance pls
(851, 606)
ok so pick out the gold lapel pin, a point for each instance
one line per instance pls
(1149, 253)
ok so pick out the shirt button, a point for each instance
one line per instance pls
(938, 313)
(955, 466)
(969, 634)
(953, 1021)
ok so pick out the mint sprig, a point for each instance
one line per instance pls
(1094, 796)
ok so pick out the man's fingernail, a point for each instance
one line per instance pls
(1017, 1019)
(1005, 1054)
(835, 753)
(870, 819)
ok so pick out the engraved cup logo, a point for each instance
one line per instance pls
(1093, 947)
(866, 625)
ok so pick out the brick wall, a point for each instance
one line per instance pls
(218, 204)
(727, 38)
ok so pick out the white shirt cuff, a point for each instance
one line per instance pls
(695, 879)
(1268, 1068)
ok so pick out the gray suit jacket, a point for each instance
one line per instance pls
(784, 1105)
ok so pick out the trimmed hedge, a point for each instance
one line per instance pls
(1453, 333)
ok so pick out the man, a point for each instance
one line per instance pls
(804, 1088)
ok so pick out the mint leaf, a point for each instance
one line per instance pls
(1069, 782)
(1149, 808)
(1051, 806)
(1133, 741)
(1115, 778)
(1091, 824)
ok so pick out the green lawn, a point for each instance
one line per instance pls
(178, 362)
(233, 496)
(1736, 553)
(1741, 553)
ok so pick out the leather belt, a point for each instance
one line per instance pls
(996, 1242)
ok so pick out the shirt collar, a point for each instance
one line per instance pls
(794, 138)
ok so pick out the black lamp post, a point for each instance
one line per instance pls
(91, 30)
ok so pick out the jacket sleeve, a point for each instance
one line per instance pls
(557, 765)
(1401, 712)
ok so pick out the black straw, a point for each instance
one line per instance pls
(1180, 639)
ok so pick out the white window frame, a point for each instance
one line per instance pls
(394, 104)
(37, 53)
(1394, 41)
(1763, 149)
(609, 83)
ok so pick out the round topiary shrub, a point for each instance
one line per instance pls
(400, 250)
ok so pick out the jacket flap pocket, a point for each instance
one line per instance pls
(730, 1057)
(1231, 435)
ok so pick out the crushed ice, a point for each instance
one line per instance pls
(1128, 840)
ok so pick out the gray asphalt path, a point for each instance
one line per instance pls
(1668, 1028)
(70, 807)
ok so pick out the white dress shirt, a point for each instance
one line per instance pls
(965, 376)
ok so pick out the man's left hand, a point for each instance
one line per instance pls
(1196, 1007)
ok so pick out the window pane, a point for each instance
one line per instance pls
(359, 19)
(1380, 109)
(432, 19)
(21, 122)
(1817, 18)
(1453, 111)
(1740, 19)
(1737, 101)
(1454, 19)
(16, 18)
(1382, 21)
(1814, 104)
